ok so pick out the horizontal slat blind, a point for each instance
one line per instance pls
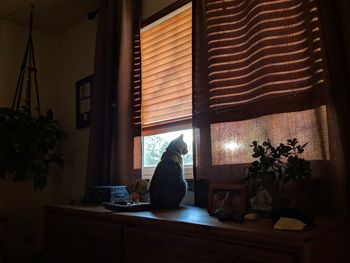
(137, 85)
(166, 54)
(260, 50)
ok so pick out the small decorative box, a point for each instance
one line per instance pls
(111, 194)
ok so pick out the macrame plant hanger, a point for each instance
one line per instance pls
(28, 63)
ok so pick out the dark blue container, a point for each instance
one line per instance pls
(111, 194)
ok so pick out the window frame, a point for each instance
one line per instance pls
(163, 12)
(147, 172)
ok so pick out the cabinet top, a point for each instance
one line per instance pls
(196, 221)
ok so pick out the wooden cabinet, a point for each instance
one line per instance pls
(74, 238)
(93, 234)
(157, 246)
(3, 239)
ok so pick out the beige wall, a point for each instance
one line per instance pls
(61, 61)
(76, 52)
(19, 201)
(149, 7)
(13, 39)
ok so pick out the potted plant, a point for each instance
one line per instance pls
(273, 169)
(29, 145)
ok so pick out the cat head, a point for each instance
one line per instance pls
(178, 145)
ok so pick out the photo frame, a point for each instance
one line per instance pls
(232, 195)
(83, 89)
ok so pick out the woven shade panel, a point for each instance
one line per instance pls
(166, 48)
(262, 50)
(230, 140)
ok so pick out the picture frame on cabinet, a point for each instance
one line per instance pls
(233, 196)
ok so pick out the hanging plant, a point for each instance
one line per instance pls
(29, 145)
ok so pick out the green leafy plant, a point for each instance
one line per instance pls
(29, 145)
(277, 166)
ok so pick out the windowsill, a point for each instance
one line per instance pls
(147, 172)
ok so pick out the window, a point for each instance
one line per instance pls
(155, 145)
(166, 86)
(264, 67)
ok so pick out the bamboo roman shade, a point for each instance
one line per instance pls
(166, 55)
(261, 52)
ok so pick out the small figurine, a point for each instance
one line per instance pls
(137, 188)
(227, 213)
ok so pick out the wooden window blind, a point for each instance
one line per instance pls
(136, 80)
(166, 56)
(259, 51)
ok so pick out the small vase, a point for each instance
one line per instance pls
(262, 200)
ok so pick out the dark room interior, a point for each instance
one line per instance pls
(174, 131)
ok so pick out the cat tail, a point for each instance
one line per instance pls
(127, 208)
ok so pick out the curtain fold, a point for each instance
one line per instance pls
(112, 127)
(200, 95)
(268, 79)
(334, 16)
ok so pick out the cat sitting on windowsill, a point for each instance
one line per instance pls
(168, 186)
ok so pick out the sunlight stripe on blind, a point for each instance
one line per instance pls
(262, 49)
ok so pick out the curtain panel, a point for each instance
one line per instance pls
(258, 52)
(112, 127)
(260, 73)
(335, 17)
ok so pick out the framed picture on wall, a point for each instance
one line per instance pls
(227, 195)
(83, 90)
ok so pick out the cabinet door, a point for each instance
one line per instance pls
(152, 246)
(73, 239)
(3, 240)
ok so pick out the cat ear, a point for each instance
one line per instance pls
(181, 137)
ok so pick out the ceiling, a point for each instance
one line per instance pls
(53, 16)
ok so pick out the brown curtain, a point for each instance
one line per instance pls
(112, 131)
(335, 20)
(260, 73)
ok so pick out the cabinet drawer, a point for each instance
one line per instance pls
(152, 246)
